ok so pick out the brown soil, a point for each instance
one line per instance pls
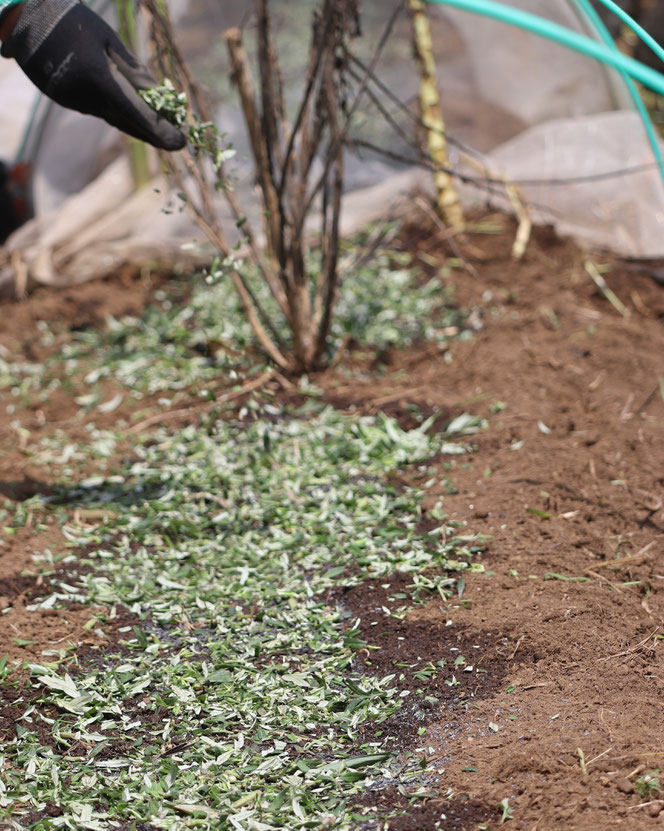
(562, 711)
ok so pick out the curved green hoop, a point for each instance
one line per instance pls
(608, 54)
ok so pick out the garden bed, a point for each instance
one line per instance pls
(507, 578)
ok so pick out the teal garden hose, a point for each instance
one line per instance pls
(606, 52)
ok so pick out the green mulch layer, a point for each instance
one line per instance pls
(233, 702)
(228, 697)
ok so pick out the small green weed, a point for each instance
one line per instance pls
(506, 809)
(649, 784)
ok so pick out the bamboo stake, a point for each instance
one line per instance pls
(139, 160)
(525, 226)
(447, 202)
(602, 285)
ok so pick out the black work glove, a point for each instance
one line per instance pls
(8, 219)
(76, 59)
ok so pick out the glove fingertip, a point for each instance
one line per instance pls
(175, 140)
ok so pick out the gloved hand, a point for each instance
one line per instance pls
(76, 59)
(8, 219)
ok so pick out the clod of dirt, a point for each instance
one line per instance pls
(655, 809)
(625, 786)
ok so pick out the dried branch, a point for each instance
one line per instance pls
(271, 88)
(198, 189)
(525, 226)
(224, 398)
(300, 123)
(260, 139)
(284, 157)
(350, 111)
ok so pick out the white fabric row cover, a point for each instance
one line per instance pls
(529, 108)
